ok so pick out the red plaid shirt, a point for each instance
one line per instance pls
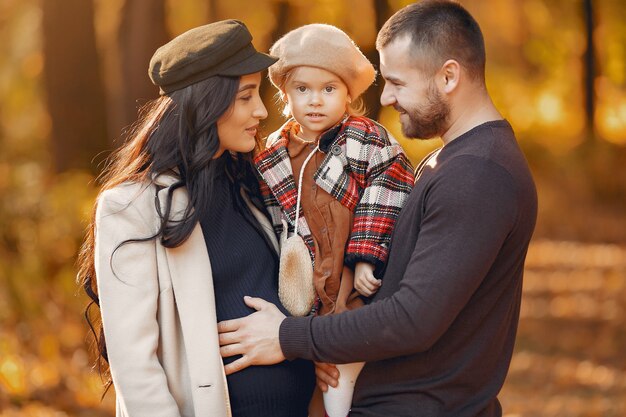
(365, 169)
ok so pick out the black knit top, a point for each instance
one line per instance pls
(243, 263)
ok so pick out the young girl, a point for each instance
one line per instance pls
(336, 179)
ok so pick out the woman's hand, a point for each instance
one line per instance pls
(364, 280)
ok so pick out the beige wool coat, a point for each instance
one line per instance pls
(158, 307)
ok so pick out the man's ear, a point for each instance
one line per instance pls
(449, 76)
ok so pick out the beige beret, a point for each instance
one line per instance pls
(322, 46)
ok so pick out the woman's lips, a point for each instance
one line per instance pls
(252, 130)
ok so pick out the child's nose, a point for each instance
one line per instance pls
(316, 99)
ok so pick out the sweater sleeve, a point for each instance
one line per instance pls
(468, 214)
(129, 289)
(388, 180)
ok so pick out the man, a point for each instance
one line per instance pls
(439, 334)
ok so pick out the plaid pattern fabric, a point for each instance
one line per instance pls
(365, 169)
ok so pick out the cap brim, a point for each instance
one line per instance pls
(254, 63)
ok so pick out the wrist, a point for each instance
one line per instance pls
(364, 266)
(294, 337)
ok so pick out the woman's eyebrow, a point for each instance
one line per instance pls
(247, 87)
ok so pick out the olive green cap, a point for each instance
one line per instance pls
(220, 48)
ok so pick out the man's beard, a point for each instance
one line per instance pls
(428, 121)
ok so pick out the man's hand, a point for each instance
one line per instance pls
(364, 280)
(327, 374)
(255, 336)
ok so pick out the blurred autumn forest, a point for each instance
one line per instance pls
(74, 72)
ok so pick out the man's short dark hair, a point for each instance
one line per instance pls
(439, 30)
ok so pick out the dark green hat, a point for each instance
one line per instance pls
(220, 48)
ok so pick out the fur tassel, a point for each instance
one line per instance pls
(295, 277)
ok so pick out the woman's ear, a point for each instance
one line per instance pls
(449, 76)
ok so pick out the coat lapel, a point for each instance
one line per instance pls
(266, 225)
(274, 165)
(192, 284)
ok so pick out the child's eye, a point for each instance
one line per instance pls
(301, 89)
(329, 89)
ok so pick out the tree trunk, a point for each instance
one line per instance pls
(371, 98)
(213, 11)
(75, 95)
(142, 30)
(589, 71)
(282, 13)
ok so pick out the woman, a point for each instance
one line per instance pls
(180, 236)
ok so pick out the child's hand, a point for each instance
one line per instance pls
(327, 375)
(364, 281)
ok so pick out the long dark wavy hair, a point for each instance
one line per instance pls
(173, 132)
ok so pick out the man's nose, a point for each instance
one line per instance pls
(387, 97)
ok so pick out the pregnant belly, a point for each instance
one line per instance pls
(281, 390)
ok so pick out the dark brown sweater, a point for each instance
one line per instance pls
(439, 335)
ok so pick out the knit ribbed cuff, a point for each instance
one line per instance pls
(295, 337)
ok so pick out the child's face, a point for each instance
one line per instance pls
(317, 98)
